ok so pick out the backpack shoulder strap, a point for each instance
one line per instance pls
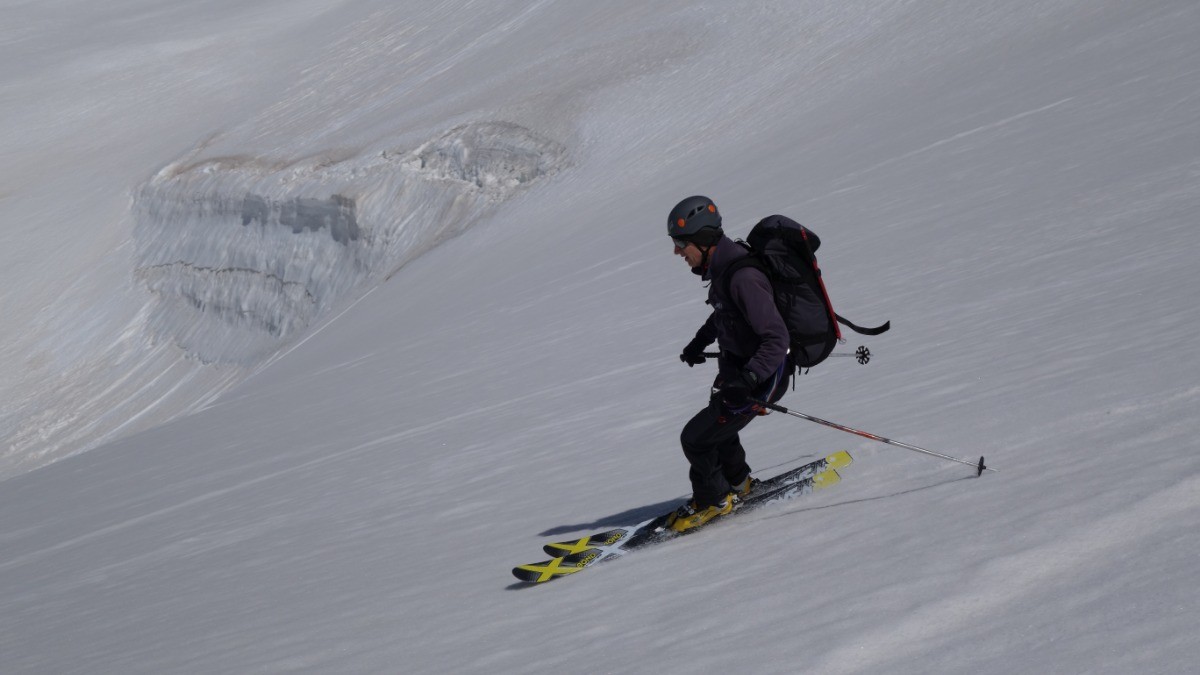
(749, 260)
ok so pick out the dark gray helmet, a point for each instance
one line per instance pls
(691, 216)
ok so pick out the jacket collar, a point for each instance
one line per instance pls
(724, 252)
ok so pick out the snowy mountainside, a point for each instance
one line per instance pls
(213, 280)
(1012, 185)
(236, 256)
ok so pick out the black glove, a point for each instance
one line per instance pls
(737, 390)
(693, 353)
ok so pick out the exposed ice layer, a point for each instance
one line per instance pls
(240, 253)
(335, 214)
(496, 156)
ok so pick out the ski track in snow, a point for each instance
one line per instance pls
(956, 137)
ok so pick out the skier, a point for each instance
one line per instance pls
(753, 361)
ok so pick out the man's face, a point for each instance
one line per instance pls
(691, 253)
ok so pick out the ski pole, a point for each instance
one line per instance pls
(979, 466)
(862, 355)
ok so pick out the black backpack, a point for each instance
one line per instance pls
(784, 250)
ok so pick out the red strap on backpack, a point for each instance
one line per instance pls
(833, 317)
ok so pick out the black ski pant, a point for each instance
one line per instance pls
(714, 450)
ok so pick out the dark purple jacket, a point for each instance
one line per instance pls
(745, 323)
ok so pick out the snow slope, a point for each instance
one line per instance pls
(363, 302)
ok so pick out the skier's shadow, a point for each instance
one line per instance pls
(644, 513)
(629, 517)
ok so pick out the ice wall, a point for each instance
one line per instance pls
(239, 254)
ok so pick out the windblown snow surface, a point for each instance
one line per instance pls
(320, 315)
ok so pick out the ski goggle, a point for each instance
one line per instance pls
(680, 243)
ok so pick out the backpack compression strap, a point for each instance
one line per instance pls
(828, 303)
(864, 331)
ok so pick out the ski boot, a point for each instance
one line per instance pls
(744, 488)
(689, 516)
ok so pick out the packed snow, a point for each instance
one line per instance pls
(320, 316)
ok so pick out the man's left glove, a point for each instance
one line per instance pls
(738, 389)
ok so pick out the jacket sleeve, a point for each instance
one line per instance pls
(753, 295)
(708, 332)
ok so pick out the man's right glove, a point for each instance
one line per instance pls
(693, 353)
(736, 392)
